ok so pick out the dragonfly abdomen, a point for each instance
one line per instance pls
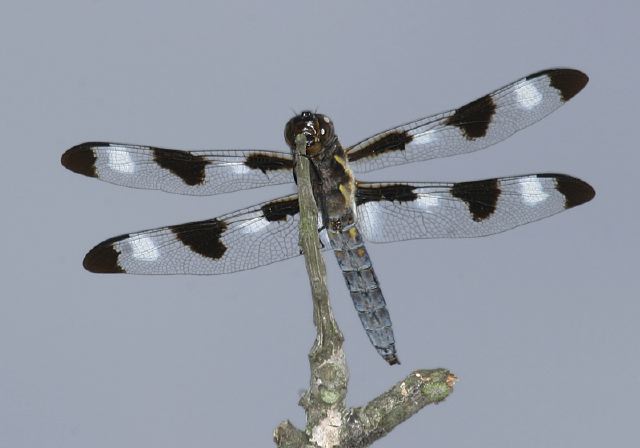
(364, 288)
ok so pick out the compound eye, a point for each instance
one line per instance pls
(288, 134)
(326, 129)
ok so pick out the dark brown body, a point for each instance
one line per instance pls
(334, 190)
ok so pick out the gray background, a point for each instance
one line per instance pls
(539, 323)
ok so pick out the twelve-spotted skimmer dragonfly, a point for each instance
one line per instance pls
(350, 211)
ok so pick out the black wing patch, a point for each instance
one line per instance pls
(480, 196)
(567, 81)
(474, 118)
(386, 192)
(575, 193)
(203, 237)
(80, 159)
(103, 258)
(393, 141)
(280, 210)
(187, 166)
(267, 162)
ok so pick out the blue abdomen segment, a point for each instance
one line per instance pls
(364, 288)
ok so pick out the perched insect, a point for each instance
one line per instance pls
(350, 211)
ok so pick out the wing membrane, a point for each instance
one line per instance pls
(473, 126)
(245, 239)
(395, 212)
(182, 172)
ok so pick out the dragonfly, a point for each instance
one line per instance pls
(350, 211)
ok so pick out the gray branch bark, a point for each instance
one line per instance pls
(330, 424)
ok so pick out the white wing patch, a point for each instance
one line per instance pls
(238, 168)
(426, 201)
(120, 160)
(368, 213)
(423, 138)
(532, 190)
(255, 224)
(144, 248)
(528, 96)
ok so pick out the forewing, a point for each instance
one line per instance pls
(473, 126)
(394, 212)
(175, 171)
(246, 239)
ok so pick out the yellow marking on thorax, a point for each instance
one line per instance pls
(346, 192)
(346, 189)
(342, 162)
(353, 233)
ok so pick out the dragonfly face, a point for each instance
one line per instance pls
(317, 128)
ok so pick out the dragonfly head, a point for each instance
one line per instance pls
(317, 129)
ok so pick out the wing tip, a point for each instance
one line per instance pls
(575, 191)
(81, 159)
(103, 258)
(569, 81)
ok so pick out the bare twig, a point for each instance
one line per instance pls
(329, 423)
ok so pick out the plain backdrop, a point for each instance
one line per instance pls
(539, 323)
